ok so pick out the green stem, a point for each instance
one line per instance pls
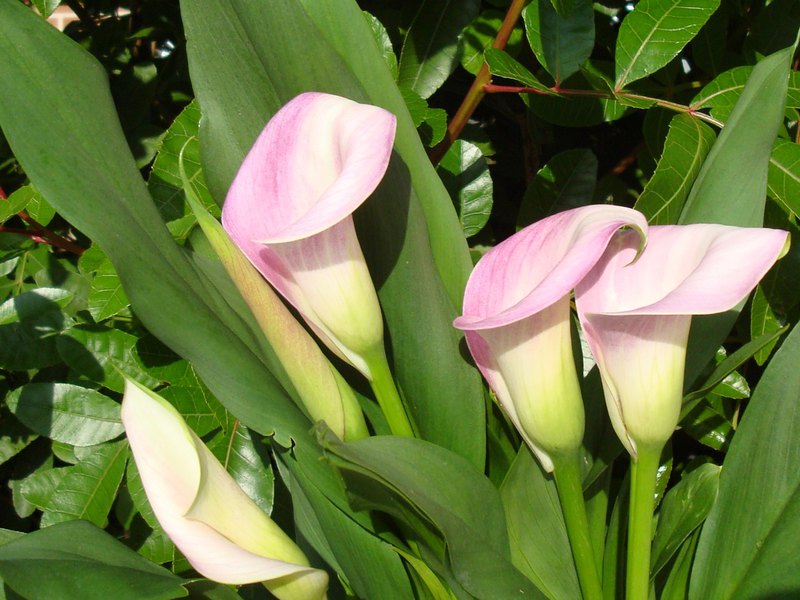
(640, 522)
(567, 473)
(388, 397)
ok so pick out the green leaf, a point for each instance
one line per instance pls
(502, 65)
(34, 305)
(783, 177)
(676, 585)
(721, 94)
(731, 186)
(40, 486)
(759, 494)
(82, 561)
(688, 143)
(683, 509)
(561, 44)
(384, 42)
(196, 313)
(539, 544)
(193, 400)
(447, 491)
(708, 46)
(654, 33)
(479, 37)
(88, 489)
(67, 413)
(106, 296)
(566, 181)
(25, 198)
(431, 49)
(104, 355)
(466, 176)
(46, 7)
(14, 437)
(245, 457)
(412, 241)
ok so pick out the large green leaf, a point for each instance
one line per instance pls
(731, 186)
(89, 488)
(431, 46)
(465, 173)
(654, 33)
(79, 160)
(268, 57)
(449, 493)
(685, 149)
(783, 178)
(538, 536)
(78, 560)
(562, 44)
(747, 549)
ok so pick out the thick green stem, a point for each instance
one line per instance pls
(640, 522)
(567, 473)
(388, 397)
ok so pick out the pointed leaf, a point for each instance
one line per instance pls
(654, 33)
(783, 178)
(465, 173)
(688, 143)
(431, 46)
(562, 44)
(759, 494)
(502, 65)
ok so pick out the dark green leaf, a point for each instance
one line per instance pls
(431, 49)
(708, 46)
(479, 37)
(383, 41)
(14, 437)
(46, 7)
(655, 33)
(687, 145)
(676, 585)
(538, 536)
(566, 181)
(783, 178)
(683, 509)
(758, 494)
(88, 489)
(502, 65)
(562, 44)
(67, 413)
(731, 186)
(450, 493)
(36, 307)
(82, 561)
(466, 176)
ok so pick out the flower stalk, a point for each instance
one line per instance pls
(644, 470)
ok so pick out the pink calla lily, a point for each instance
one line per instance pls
(219, 529)
(290, 209)
(516, 318)
(636, 315)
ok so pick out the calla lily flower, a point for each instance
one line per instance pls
(517, 321)
(636, 315)
(290, 209)
(219, 529)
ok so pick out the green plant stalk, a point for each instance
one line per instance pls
(387, 395)
(640, 522)
(567, 474)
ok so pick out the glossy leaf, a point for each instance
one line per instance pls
(479, 37)
(466, 176)
(172, 293)
(783, 178)
(384, 42)
(39, 487)
(305, 42)
(454, 496)
(14, 437)
(536, 530)
(501, 64)
(736, 170)
(756, 558)
(67, 413)
(683, 509)
(88, 489)
(33, 305)
(567, 181)
(431, 49)
(561, 44)
(82, 561)
(655, 33)
(686, 147)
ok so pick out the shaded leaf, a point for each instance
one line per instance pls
(783, 178)
(561, 44)
(502, 65)
(759, 493)
(479, 37)
(431, 49)
(82, 561)
(67, 413)
(466, 176)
